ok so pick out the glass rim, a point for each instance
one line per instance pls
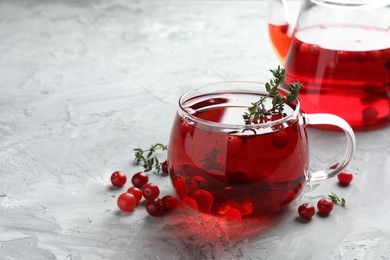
(245, 88)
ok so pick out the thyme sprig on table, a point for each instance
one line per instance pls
(258, 111)
(148, 157)
(337, 199)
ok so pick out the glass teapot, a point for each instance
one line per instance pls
(340, 51)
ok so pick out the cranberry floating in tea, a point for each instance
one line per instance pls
(240, 149)
(340, 51)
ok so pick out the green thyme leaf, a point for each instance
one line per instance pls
(150, 161)
(337, 199)
(258, 111)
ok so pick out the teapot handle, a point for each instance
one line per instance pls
(329, 119)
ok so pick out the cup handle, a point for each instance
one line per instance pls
(329, 119)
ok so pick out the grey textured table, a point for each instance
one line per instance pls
(82, 83)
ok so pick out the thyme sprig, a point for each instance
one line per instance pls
(337, 199)
(258, 111)
(148, 157)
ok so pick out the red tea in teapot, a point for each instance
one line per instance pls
(280, 40)
(349, 78)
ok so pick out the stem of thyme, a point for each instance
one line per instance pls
(148, 157)
(258, 111)
(337, 199)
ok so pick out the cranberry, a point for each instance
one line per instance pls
(345, 178)
(140, 179)
(169, 202)
(118, 179)
(164, 167)
(292, 194)
(233, 213)
(127, 202)
(234, 143)
(136, 192)
(223, 209)
(306, 211)
(155, 207)
(246, 208)
(325, 206)
(204, 200)
(304, 48)
(191, 202)
(180, 188)
(280, 139)
(150, 191)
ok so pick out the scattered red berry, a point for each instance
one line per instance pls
(155, 208)
(140, 179)
(325, 206)
(136, 192)
(127, 202)
(118, 179)
(169, 202)
(164, 167)
(345, 178)
(150, 191)
(306, 211)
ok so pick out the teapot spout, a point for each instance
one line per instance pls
(279, 28)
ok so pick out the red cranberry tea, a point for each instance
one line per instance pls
(235, 172)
